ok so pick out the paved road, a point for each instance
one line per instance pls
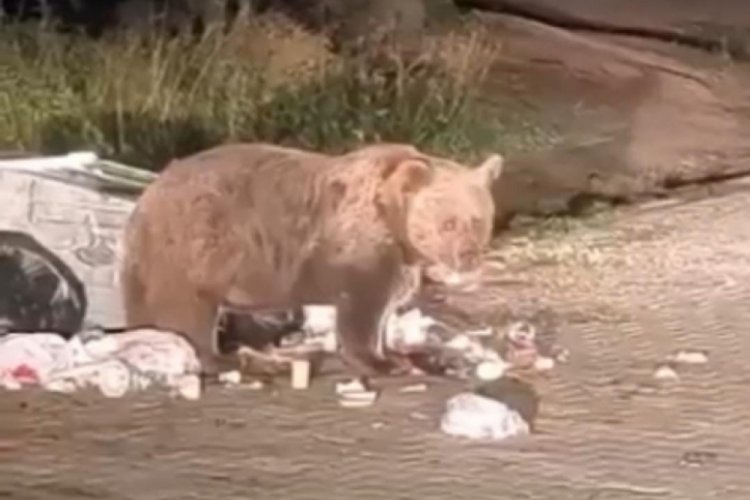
(620, 294)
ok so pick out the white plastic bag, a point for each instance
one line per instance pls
(139, 359)
(29, 358)
(114, 364)
(149, 351)
(476, 417)
(111, 377)
(408, 331)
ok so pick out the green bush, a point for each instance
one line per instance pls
(146, 100)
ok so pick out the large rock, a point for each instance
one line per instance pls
(636, 115)
(721, 25)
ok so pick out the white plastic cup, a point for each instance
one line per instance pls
(300, 374)
(114, 379)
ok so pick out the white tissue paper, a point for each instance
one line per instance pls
(476, 417)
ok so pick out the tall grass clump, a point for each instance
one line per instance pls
(146, 100)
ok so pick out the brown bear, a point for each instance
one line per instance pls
(251, 227)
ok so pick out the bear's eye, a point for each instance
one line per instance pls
(448, 225)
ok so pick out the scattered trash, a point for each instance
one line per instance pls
(666, 373)
(115, 364)
(460, 343)
(354, 394)
(358, 399)
(482, 332)
(255, 385)
(190, 387)
(482, 353)
(477, 417)
(271, 359)
(471, 349)
(320, 326)
(413, 388)
(479, 354)
(319, 319)
(521, 349)
(28, 359)
(698, 458)
(300, 374)
(491, 370)
(233, 377)
(404, 333)
(562, 355)
(667, 370)
(408, 331)
(689, 357)
(544, 364)
(522, 333)
(354, 385)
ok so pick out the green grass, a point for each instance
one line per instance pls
(145, 100)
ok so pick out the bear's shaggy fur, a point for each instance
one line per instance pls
(251, 227)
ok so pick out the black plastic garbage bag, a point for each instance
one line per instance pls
(38, 291)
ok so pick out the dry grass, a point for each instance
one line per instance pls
(145, 100)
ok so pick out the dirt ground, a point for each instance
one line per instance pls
(620, 291)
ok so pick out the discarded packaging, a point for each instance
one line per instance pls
(358, 399)
(689, 357)
(491, 370)
(562, 355)
(471, 348)
(666, 372)
(460, 343)
(190, 387)
(354, 394)
(464, 354)
(413, 388)
(111, 377)
(405, 332)
(320, 326)
(300, 374)
(482, 332)
(319, 319)
(522, 333)
(114, 364)
(543, 364)
(28, 359)
(233, 377)
(255, 385)
(476, 417)
(354, 385)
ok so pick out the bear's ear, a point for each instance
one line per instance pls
(407, 175)
(403, 167)
(404, 173)
(489, 171)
